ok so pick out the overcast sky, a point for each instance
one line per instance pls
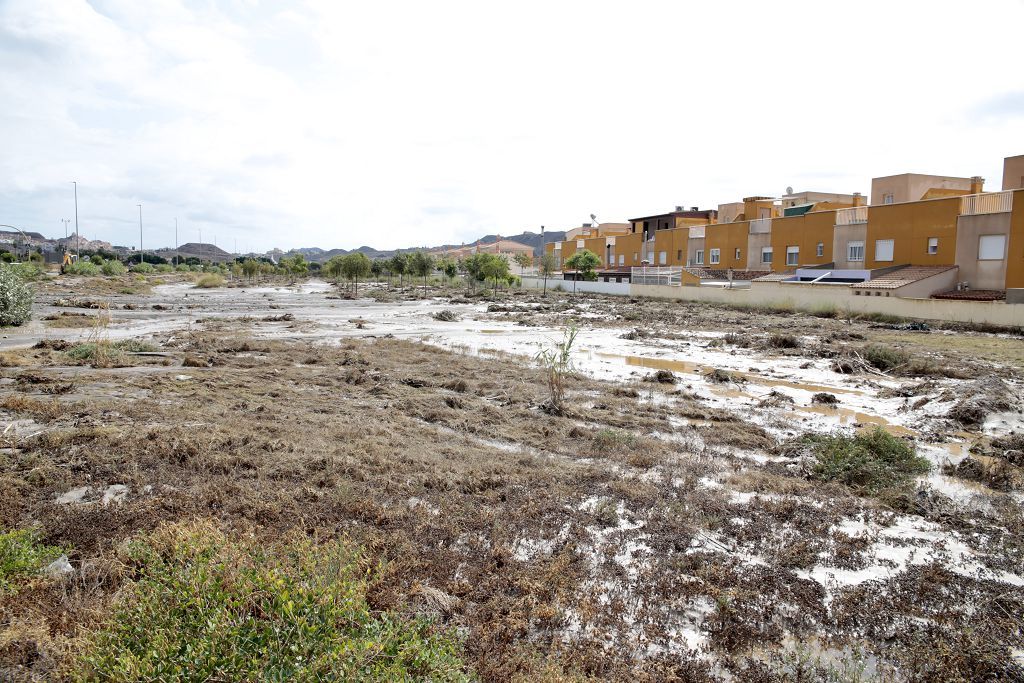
(338, 124)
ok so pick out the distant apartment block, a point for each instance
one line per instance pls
(921, 236)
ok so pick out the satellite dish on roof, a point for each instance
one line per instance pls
(593, 217)
(789, 190)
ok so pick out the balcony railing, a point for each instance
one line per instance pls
(990, 202)
(854, 215)
(760, 226)
(653, 275)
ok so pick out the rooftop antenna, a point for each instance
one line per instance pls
(789, 190)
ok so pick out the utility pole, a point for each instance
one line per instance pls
(65, 221)
(142, 254)
(543, 253)
(78, 236)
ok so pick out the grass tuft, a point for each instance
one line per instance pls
(210, 281)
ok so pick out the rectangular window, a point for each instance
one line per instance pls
(933, 245)
(854, 251)
(821, 249)
(991, 247)
(766, 254)
(887, 199)
(698, 258)
(662, 257)
(679, 255)
(635, 255)
(622, 259)
(737, 256)
(883, 250)
(716, 256)
(792, 256)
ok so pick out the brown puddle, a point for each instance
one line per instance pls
(849, 417)
(694, 368)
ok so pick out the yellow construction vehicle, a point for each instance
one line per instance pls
(69, 258)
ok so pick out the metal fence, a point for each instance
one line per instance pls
(655, 275)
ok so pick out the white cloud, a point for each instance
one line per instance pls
(407, 123)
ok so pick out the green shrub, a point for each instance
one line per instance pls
(885, 358)
(112, 268)
(869, 462)
(205, 607)
(28, 271)
(15, 297)
(83, 268)
(96, 260)
(210, 281)
(164, 268)
(183, 268)
(22, 556)
(144, 268)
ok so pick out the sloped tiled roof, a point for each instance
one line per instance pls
(902, 277)
(973, 295)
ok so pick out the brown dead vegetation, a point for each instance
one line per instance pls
(563, 546)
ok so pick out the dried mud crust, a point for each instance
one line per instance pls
(631, 538)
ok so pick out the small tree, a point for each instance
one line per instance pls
(494, 267)
(450, 268)
(421, 264)
(355, 266)
(548, 266)
(524, 261)
(583, 262)
(250, 267)
(376, 268)
(15, 298)
(400, 266)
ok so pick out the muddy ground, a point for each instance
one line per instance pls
(665, 526)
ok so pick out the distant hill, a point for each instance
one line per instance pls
(531, 238)
(207, 251)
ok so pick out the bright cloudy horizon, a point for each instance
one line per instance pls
(402, 124)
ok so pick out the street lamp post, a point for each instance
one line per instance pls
(543, 253)
(78, 236)
(142, 254)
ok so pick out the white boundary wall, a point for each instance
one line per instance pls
(811, 297)
(617, 288)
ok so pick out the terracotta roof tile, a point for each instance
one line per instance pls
(902, 277)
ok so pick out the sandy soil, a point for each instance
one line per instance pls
(665, 526)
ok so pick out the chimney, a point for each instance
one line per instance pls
(858, 199)
(977, 183)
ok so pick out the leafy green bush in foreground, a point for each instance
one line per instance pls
(869, 462)
(206, 607)
(15, 297)
(22, 556)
